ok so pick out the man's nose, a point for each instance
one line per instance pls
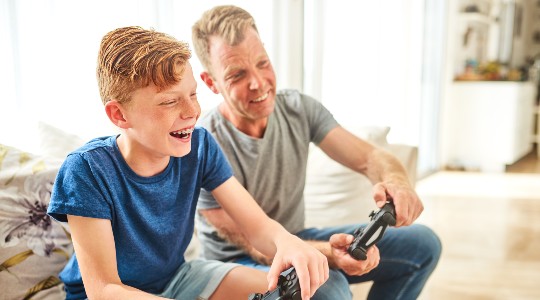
(256, 81)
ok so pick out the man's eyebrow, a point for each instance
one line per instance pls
(231, 69)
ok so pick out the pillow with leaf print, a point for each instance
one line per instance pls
(34, 248)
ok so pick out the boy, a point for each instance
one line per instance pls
(130, 199)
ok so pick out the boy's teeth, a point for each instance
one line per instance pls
(182, 133)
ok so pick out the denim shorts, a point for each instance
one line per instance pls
(197, 279)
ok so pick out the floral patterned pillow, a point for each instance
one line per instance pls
(33, 247)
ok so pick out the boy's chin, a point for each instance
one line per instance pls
(181, 153)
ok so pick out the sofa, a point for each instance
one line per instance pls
(34, 247)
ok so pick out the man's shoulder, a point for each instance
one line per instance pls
(288, 95)
(293, 98)
(210, 120)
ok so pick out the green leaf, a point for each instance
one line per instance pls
(67, 233)
(61, 252)
(45, 284)
(3, 153)
(24, 158)
(15, 260)
(38, 167)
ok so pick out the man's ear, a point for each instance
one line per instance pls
(115, 112)
(209, 82)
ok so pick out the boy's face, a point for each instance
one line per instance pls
(161, 122)
(244, 75)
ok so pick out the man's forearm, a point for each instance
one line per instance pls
(238, 239)
(325, 248)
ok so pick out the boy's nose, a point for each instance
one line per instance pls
(189, 109)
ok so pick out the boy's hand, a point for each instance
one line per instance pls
(343, 260)
(310, 264)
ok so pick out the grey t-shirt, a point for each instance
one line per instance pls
(272, 169)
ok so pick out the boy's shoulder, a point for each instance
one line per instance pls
(96, 143)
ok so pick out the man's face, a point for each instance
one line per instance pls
(244, 76)
(161, 121)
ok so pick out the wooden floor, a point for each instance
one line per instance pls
(489, 225)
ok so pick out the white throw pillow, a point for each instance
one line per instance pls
(57, 143)
(334, 194)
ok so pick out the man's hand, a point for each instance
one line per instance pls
(310, 264)
(408, 205)
(342, 260)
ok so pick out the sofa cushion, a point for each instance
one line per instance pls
(33, 247)
(55, 142)
(336, 195)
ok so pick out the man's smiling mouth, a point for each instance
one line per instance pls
(182, 134)
(261, 98)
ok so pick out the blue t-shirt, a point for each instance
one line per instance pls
(151, 217)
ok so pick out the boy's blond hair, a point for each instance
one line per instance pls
(132, 57)
(227, 21)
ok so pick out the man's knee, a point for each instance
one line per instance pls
(430, 243)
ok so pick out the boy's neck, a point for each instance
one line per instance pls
(139, 161)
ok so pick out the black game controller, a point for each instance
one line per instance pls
(288, 288)
(373, 232)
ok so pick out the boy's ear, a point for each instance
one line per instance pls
(115, 112)
(209, 82)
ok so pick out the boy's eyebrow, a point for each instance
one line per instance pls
(174, 92)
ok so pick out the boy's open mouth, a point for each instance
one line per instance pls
(182, 134)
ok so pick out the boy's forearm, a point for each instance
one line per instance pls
(121, 291)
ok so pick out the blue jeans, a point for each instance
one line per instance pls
(408, 257)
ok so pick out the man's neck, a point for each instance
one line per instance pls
(253, 128)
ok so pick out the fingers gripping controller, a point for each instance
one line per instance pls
(365, 237)
(288, 288)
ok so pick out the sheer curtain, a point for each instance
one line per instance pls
(365, 62)
(48, 58)
(379, 63)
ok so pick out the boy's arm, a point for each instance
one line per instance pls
(94, 246)
(272, 240)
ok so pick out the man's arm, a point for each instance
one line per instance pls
(228, 230)
(384, 170)
(335, 251)
(93, 242)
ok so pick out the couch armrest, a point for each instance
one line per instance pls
(336, 195)
(408, 156)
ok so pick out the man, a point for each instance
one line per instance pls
(265, 135)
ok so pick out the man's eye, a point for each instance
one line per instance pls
(171, 102)
(263, 63)
(235, 76)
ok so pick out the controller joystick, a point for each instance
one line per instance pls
(288, 288)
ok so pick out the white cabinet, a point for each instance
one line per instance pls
(489, 124)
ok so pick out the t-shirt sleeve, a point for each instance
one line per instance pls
(76, 192)
(217, 170)
(320, 120)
